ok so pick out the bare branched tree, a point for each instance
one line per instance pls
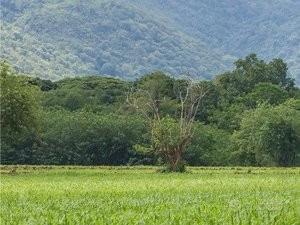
(170, 136)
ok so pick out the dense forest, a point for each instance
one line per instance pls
(248, 116)
(127, 38)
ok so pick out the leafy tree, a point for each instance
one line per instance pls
(230, 86)
(167, 141)
(160, 89)
(88, 138)
(85, 120)
(157, 84)
(93, 92)
(74, 100)
(18, 105)
(256, 71)
(266, 137)
(170, 137)
(18, 111)
(229, 117)
(250, 72)
(294, 105)
(44, 85)
(210, 103)
(209, 147)
(266, 92)
(279, 74)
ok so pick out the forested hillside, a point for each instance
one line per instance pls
(53, 39)
(238, 27)
(248, 116)
(101, 37)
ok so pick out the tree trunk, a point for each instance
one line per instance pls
(175, 160)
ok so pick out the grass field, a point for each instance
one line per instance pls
(139, 195)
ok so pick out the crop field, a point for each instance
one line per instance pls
(140, 195)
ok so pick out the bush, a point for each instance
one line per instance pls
(87, 138)
(267, 137)
(209, 147)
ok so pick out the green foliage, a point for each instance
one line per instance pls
(256, 71)
(267, 137)
(87, 138)
(166, 132)
(209, 103)
(158, 88)
(267, 93)
(228, 117)
(88, 120)
(77, 93)
(170, 135)
(209, 147)
(19, 116)
(167, 142)
(248, 73)
(294, 106)
(18, 101)
(44, 85)
(158, 84)
(253, 81)
(129, 38)
(114, 38)
(160, 33)
(238, 28)
(180, 168)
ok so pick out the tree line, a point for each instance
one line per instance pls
(248, 116)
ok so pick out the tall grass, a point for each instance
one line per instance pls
(128, 195)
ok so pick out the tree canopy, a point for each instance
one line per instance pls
(248, 116)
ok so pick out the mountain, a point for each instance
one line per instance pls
(270, 28)
(128, 38)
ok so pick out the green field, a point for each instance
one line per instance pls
(140, 195)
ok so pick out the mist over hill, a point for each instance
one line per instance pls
(128, 38)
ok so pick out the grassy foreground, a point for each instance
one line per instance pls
(139, 195)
